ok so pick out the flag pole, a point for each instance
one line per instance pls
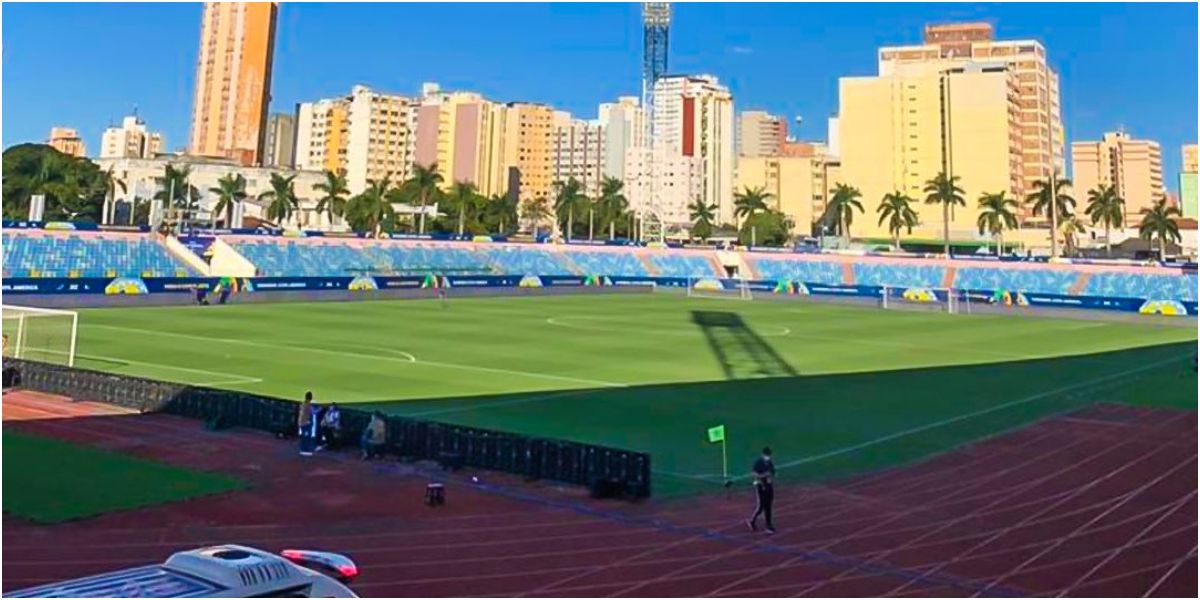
(724, 460)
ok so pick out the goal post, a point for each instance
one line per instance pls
(901, 297)
(41, 334)
(711, 287)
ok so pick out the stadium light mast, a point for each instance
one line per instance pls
(656, 28)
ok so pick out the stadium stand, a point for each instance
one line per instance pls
(417, 258)
(678, 264)
(608, 263)
(280, 258)
(35, 253)
(1142, 285)
(1044, 281)
(907, 275)
(811, 271)
(519, 260)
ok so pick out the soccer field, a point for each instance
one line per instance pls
(833, 389)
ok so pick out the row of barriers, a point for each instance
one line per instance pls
(452, 445)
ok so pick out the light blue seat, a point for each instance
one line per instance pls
(609, 263)
(899, 275)
(678, 264)
(806, 271)
(89, 255)
(1147, 286)
(523, 260)
(1044, 281)
(298, 259)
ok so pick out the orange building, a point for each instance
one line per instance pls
(67, 141)
(233, 80)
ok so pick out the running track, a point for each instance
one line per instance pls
(1101, 502)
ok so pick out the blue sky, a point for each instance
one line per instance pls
(84, 65)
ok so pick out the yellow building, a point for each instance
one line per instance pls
(898, 130)
(1189, 158)
(463, 134)
(1042, 138)
(67, 141)
(233, 80)
(1133, 167)
(368, 135)
(797, 184)
(528, 149)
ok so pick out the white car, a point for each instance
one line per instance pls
(227, 571)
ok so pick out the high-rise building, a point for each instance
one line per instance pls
(528, 152)
(898, 130)
(131, 140)
(368, 135)
(656, 29)
(692, 148)
(579, 152)
(625, 129)
(279, 143)
(233, 80)
(797, 184)
(67, 141)
(463, 134)
(1042, 138)
(761, 134)
(1187, 183)
(1133, 167)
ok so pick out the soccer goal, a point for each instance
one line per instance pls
(948, 300)
(41, 334)
(711, 287)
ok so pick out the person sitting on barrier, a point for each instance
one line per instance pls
(305, 423)
(331, 427)
(374, 437)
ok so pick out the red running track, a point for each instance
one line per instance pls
(1098, 503)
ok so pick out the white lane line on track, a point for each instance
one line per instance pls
(409, 359)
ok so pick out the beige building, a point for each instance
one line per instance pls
(368, 135)
(579, 152)
(898, 130)
(1042, 138)
(797, 184)
(625, 130)
(1189, 158)
(463, 133)
(1133, 167)
(692, 154)
(131, 140)
(528, 149)
(761, 134)
(67, 141)
(233, 80)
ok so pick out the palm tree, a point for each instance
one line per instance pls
(176, 193)
(1062, 206)
(842, 204)
(1107, 207)
(500, 213)
(282, 198)
(230, 190)
(896, 209)
(750, 201)
(1069, 227)
(1157, 222)
(465, 199)
(536, 210)
(996, 213)
(702, 216)
(944, 190)
(372, 209)
(612, 204)
(567, 199)
(423, 185)
(111, 183)
(335, 190)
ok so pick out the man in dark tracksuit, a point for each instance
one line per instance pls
(764, 490)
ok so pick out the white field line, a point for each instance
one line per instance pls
(230, 377)
(564, 322)
(408, 359)
(970, 415)
(480, 405)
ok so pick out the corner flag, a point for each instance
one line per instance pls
(716, 434)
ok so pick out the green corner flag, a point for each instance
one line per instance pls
(716, 434)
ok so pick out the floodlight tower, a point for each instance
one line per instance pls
(656, 27)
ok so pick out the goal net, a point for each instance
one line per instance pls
(41, 334)
(949, 300)
(711, 287)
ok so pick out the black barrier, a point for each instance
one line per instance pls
(452, 445)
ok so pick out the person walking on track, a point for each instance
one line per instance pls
(764, 490)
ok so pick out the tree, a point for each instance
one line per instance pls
(536, 210)
(31, 169)
(424, 187)
(1107, 207)
(230, 191)
(611, 204)
(500, 214)
(568, 200)
(110, 184)
(896, 209)
(750, 201)
(372, 209)
(73, 199)
(842, 204)
(944, 190)
(765, 228)
(1062, 205)
(1069, 228)
(335, 191)
(702, 216)
(996, 214)
(465, 201)
(281, 198)
(176, 195)
(1159, 222)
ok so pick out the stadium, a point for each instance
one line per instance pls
(963, 426)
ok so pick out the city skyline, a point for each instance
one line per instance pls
(610, 40)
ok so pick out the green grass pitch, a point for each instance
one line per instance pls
(48, 481)
(834, 389)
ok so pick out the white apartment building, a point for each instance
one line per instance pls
(131, 140)
(692, 154)
(579, 152)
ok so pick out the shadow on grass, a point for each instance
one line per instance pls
(824, 426)
(741, 353)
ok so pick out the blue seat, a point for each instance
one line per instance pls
(1150, 286)
(807, 271)
(89, 255)
(1045, 281)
